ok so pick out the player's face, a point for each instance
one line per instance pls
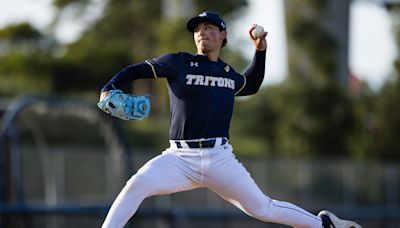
(208, 37)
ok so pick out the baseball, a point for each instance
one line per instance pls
(257, 31)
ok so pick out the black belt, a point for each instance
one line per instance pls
(201, 144)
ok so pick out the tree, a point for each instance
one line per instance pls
(378, 128)
(310, 112)
(24, 55)
(317, 114)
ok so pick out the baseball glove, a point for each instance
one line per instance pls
(125, 106)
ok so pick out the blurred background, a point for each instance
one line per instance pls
(323, 132)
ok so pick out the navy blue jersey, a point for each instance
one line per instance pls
(201, 91)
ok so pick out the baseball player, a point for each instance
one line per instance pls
(202, 89)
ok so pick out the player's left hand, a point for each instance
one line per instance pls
(261, 42)
(125, 106)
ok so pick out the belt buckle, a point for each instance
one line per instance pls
(207, 143)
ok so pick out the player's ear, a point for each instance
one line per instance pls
(223, 34)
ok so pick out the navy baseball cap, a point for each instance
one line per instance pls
(206, 16)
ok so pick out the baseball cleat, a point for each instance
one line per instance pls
(329, 220)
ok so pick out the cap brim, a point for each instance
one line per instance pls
(192, 23)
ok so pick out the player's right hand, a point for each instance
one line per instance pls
(259, 43)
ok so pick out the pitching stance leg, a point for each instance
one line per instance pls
(230, 180)
(164, 174)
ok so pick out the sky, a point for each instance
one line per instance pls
(371, 44)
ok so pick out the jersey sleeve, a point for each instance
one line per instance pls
(254, 76)
(164, 66)
(240, 83)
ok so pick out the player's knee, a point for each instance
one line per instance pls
(139, 184)
(264, 211)
(259, 210)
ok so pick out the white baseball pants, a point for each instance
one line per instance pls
(182, 169)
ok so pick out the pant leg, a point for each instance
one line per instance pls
(228, 178)
(163, 174)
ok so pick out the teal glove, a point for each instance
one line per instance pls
(125, 106)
